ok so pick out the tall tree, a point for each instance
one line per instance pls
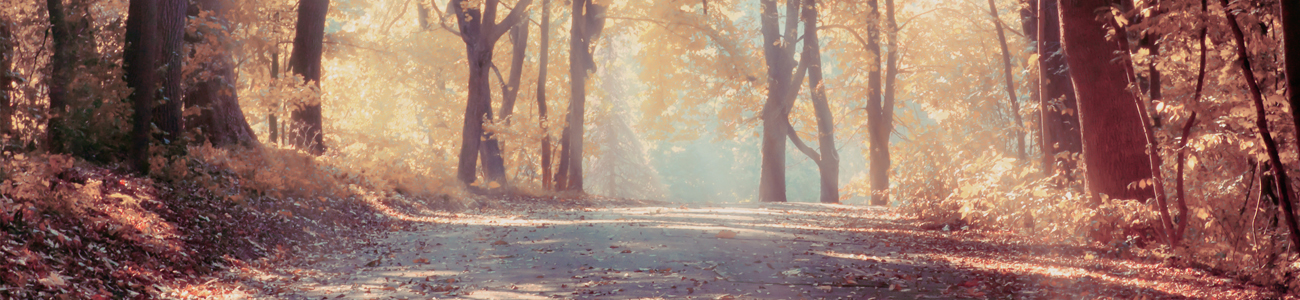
(7, 45)
(480, 31)
(171, 28)
(1111, 127)
(587, 23)
(542, 60)
(220, 118)
(1290, 15)
(778, 52)
(1010, 82)
(828, 163)
(142, 50)
(1057, 106)
(61, 67)
(878, 149)
(493, 163)
(308, 41)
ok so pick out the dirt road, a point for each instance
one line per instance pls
(747, 251)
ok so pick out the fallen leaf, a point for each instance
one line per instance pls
(500, 243)
(726, 234)
(421, 261)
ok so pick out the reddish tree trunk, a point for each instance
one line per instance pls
(1290, 15)
(1057, 106)
(1112, 130)
(171, 27)
(142, 47)
(308, 41)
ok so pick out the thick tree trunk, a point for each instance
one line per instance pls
(1282, 182)
(1057, 106)
(1290, 15)
(542, 61)
(775, 114)
(171, 27)
(829, 163)
(62, 65)
(493, 162)
(587, 23)
(142, 47)
(1113, 139)
(220, 118)
(1010, 83)
(308, 41)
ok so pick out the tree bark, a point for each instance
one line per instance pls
(142, 50)
(587, 23)
(308, 41)
(493, 162)
(1290, 15)
(7, 45)
(1010, 83)
(479, 31)
(879, 146)
(171, 27)
(1283, 184)
(777, 51)
(1113, 139)
(61, 67)
(220, 118)
(542, 61)
(1057, 106)
(828, 162)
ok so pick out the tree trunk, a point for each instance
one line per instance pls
(479, 31)
(829, 164)
(878, 150)
(1057, 106)
(1283, 184)
(171, 27)
(62, 65)
(272, 122)
(1113, 139)
(1290, 15)
(493, 162)
(142, 47)
(220, 118)
(7, 45)
(1010, 82)
(542, 61)
(588, 22)
(777, 50)
(308, 41)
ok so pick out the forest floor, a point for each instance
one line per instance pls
(735, 251)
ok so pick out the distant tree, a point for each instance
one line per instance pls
(142, 50)
(480, 31)
(542, 60)
(220, 118)
(1057, 106)
(587, 23)
(7, 45)
(1010, 82)
(308, 41)
(171, 28)
(1112, 129)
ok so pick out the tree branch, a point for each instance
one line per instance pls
(514, 17)
(798, 143)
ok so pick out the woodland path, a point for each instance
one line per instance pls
(743, 251)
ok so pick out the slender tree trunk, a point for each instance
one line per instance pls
(1283, 184)
(1010, 83)
(61, 67)
(777, 53)
(1029, 25)
(308, 41)
(879, 137)
(272, 122)
(828, 162)
(1113, 139)
(7, 45)
(142, 47)
(587, 23)
(887, 105)
(1057, 106)
(220, 118)
(1184, 214)
(171, 27)
(542, 61)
